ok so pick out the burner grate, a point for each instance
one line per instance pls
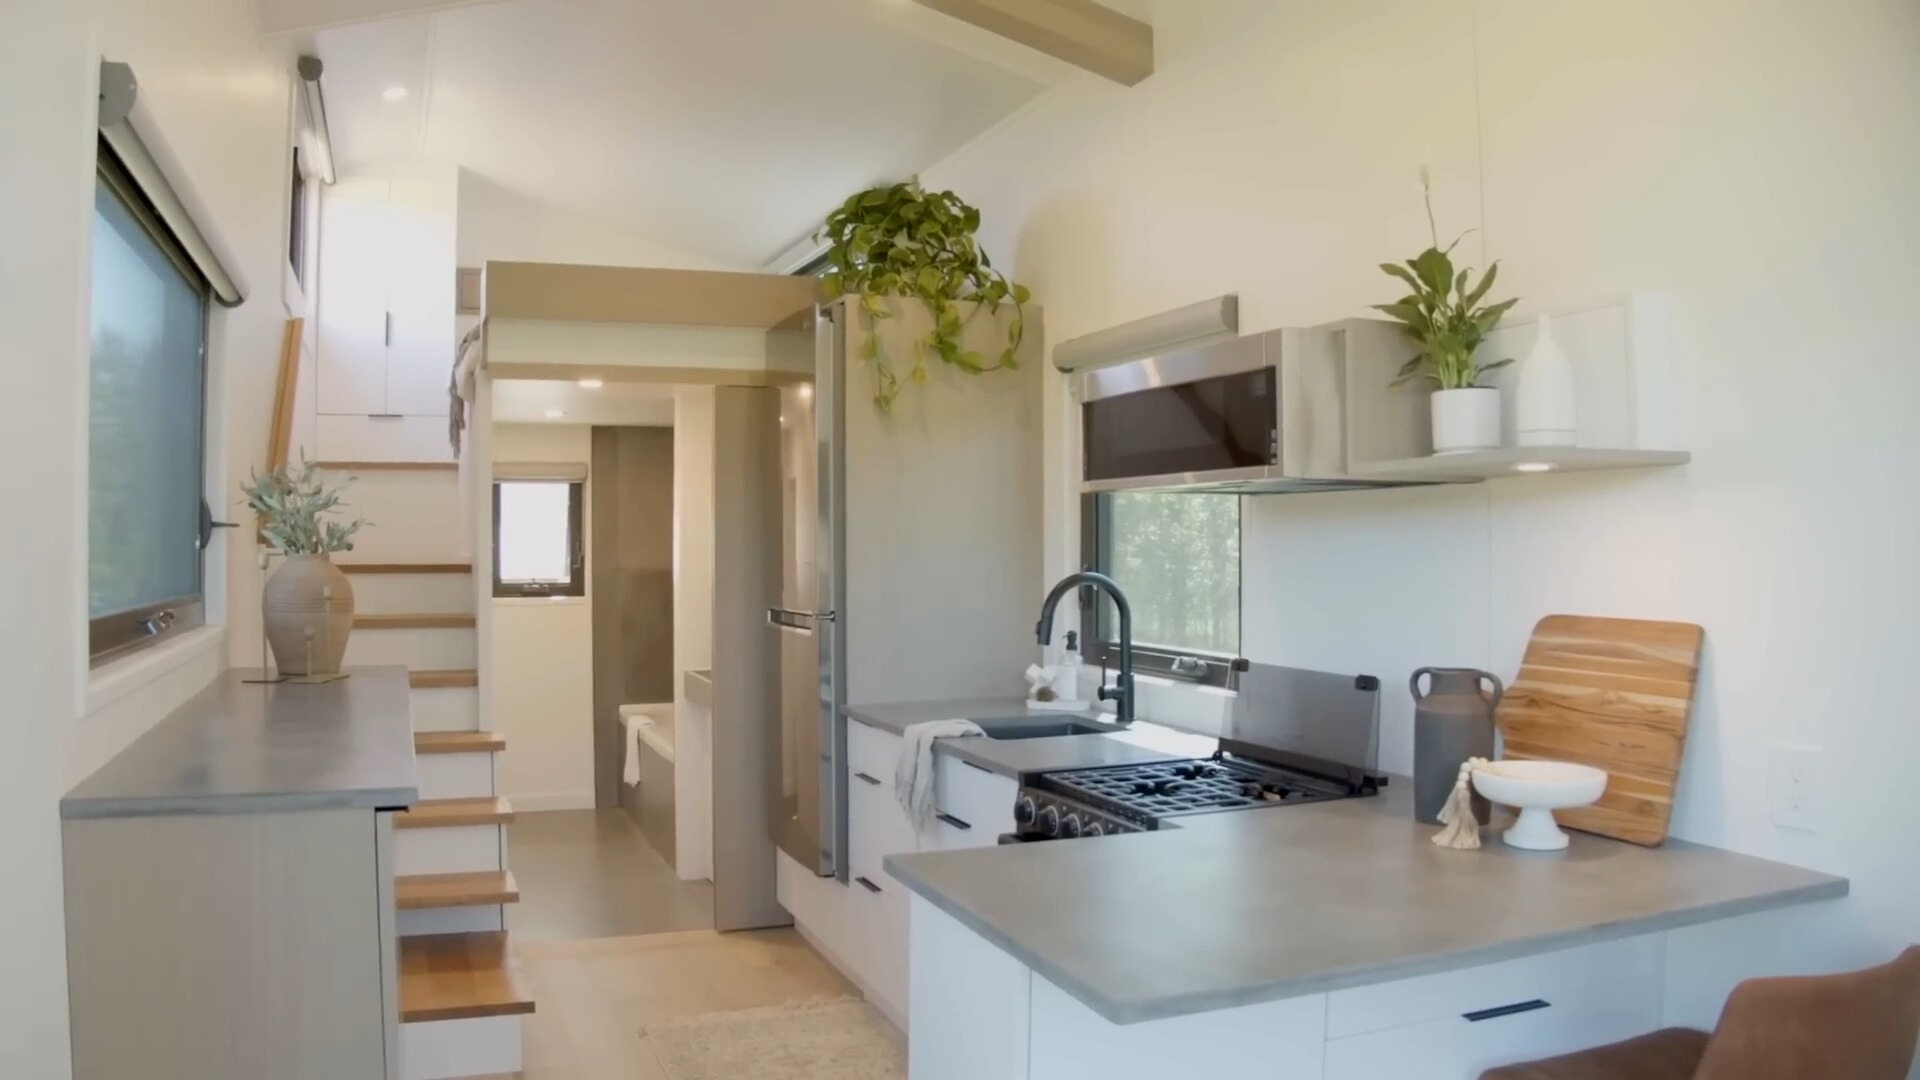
(1169, 788)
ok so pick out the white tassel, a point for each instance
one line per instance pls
(1460, 830)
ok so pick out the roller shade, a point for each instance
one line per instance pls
(134, 138)
(572, 472)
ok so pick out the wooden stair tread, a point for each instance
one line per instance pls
(390, 466)
(406, 567)
(450, 813)
(413, 622)
(458, 742)
(443, 678)
(460, 977)
(414, 892)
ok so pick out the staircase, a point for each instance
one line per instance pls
(416, 594)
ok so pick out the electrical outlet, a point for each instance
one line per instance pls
(1793, 782)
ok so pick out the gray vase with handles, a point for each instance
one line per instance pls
(1452, 721)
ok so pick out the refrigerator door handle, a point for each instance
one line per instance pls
(799, 622)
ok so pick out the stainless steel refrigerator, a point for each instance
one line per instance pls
(911, 544)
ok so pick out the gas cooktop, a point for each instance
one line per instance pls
(1137, 798)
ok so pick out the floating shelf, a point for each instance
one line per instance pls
(1474, 466)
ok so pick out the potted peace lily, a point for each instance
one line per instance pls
(1446, 320)
(307, 604)
(900, 242)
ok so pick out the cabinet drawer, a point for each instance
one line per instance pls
(873, 752)
(981, 799)
(1461, 1049)
(880, 909)
(876, 828)
(1571, 980)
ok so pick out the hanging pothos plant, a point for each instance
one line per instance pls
(902, 241)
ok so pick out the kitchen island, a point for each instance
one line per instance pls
(1326, 940)
(229, 886)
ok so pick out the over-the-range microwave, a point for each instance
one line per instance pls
(1286, 410)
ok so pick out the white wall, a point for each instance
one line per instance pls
(693, 435)
(1753, 161)
(223, 104)
(543, 658)
(500, 224)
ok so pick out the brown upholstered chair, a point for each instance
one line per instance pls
(1858, 1026)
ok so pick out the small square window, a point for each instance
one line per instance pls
(538, 549)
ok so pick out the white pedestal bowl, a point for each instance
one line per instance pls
(1537, 789)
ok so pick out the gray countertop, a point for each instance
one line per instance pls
(240, 748)
(1251, 906)
(1013, 757)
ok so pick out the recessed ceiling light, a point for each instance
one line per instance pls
(1534, 466)
(806, 391)
(394, 93)
(591, 384)
(555, 414)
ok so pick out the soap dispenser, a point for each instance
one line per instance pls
(1066, 678)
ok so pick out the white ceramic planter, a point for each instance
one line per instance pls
(1543, 399)
(1466, 419)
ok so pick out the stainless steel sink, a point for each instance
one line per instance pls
(1043, 727)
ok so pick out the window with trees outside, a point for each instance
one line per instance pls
(147, 521)
(1178, 558)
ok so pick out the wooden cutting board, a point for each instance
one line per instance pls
(1615, 694)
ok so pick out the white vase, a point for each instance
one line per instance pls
(1543, 396)
(1466, 419)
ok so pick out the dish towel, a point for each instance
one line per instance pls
(636, 723)
(913, 775)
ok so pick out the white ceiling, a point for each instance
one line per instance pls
(530, 401)
(724, 127)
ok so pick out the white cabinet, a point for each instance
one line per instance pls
(385, 299)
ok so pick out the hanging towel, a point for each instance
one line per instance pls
(913, 775)
(636, 724)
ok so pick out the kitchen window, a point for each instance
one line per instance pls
(147, 520)
(538, 549)
(1178, 559)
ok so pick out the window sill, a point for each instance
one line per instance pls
(538, 601)
(116, 680)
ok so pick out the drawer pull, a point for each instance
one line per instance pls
(870, 886)
(1506, 1010)
(953, 821)
(865, 779)
(981, 768)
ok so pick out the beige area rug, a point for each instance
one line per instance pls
(828, 1039)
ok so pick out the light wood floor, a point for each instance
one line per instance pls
(596, 997)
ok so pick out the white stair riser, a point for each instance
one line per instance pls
(463, 849)
(413, 594)
(454, 708)
(460, 920)
(446, 1049)
(411, 516)
(454, 776)
(417, 650)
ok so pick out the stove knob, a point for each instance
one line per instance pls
(1094, 828)
(1070, 828)
(1023, 810)
(1048, 821)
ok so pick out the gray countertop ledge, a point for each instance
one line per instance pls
(1240, 908)
(241, 748)
(698, 688)
(1015, 757)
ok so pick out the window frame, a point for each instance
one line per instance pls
(576, 585)
(1099, 624)
(111, 637)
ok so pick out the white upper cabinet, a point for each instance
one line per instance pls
(386, 295)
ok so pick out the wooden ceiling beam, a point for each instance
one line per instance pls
(1079, 32)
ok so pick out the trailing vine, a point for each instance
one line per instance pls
(900, 240)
